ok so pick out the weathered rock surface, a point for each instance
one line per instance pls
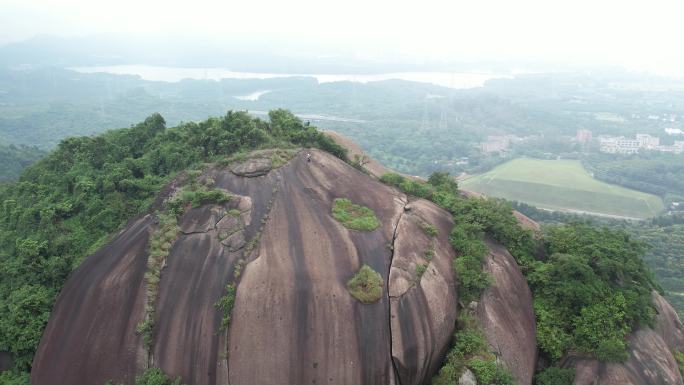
(526, 223)
(506, 315)
(668, 324)
(651, 359)
(467, 378)
(253, 167)
(201, 221)
(293, 321)
(423, 308)
(91, 336)
(650, 363)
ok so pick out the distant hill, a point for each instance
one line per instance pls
(15, 158)
(562, 185)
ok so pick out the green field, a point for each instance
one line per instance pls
(562, 185)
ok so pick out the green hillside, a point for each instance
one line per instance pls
(562, 185)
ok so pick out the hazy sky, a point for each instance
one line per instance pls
(633, 34)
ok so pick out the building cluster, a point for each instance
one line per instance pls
(584, 136)
(622, 145)
(499, 143)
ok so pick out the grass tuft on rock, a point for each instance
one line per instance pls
(366, 285)
(354, 216)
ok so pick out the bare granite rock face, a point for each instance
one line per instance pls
(506, 315)
(668, 324)
(650, 363)
(423, 306)
(467, 378)
(651, 359)
(293, 321)
(252, 167)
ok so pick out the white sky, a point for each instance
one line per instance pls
(635, 34)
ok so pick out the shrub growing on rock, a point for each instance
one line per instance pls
(225, 304)
(154, 376)
(366, 285)
(354, 216)
(555, 376)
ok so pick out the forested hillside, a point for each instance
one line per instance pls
(663, 238)
(65, 206)
(15, 158)
(655, 173)
(412, 127)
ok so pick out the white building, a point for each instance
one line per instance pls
(647, 141)
(674, 131)
(496, 143)
(618, 145)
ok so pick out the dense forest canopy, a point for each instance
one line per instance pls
(652, 172)
(662, 236)
(66, 205)
(15, 158)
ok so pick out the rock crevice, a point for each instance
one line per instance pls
(389, 299)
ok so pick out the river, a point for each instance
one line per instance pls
(457, 80)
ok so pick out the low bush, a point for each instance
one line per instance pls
(225, 304)
(10, 377)
(430, 253)
(155, 376)
(430, 229)
(195, 195)
(366, 285)
(484, 370)
(679, 357)
(411, 187)
(281, 156)
(555, 376)
(353, 216)
(421, 268)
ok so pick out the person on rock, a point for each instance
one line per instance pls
(308, 158)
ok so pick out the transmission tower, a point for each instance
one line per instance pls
(443, 117)
(426, 122)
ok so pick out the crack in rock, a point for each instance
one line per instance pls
(389, 299)
(252, 167)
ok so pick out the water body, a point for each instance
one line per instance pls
(254, 96)
(457, 80)
(314, 117)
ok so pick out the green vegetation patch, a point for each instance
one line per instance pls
(152, 376)
(155, 376)
(679, 357)
(366, 285)
(421, 268)
(562, 185)
(160, 245)
(280, 157)
(196, 195)
(354, 216)
(555, 376)
(429, 229)
(471, 350)
(225, 305)
(15, 158)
